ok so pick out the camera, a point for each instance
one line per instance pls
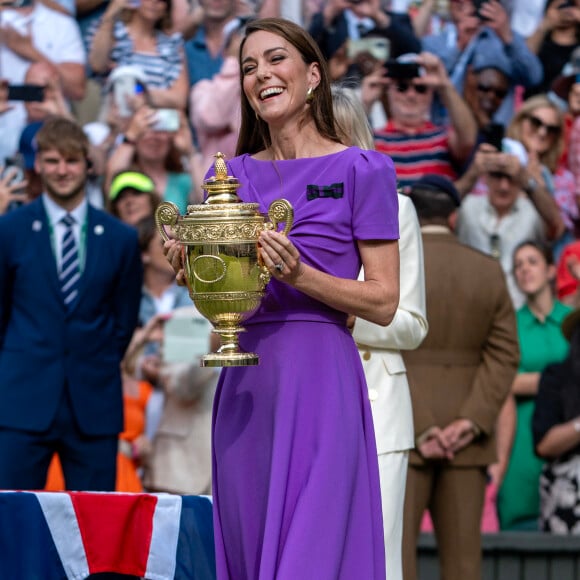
(402, 70)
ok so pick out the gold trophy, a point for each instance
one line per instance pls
(225, 275)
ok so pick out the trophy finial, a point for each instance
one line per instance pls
(221, 188)
(220, 168)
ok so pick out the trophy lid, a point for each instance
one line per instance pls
(221, 188)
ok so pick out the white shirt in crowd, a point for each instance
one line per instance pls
(55, 35)
(478, 226)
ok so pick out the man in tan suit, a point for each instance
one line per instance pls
(459, 378)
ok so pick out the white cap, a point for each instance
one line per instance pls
(129, 70)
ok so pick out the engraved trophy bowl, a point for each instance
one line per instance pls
(224, 273)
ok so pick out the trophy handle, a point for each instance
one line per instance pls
(281, 211)
(166, 214)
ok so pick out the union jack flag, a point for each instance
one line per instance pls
(71, 535)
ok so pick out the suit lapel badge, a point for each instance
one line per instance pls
(36, 225)
(99, 230)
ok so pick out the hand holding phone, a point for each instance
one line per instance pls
(12, 185)
(166, 120)
(478, 4)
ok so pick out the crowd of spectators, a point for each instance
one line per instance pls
(487, 97)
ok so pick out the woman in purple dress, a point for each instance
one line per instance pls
(295, 480)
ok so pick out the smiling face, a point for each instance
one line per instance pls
(63, 175)
(533, 274)
(275, 78)
(503, 189)
(492, 88)
(409, 101)
(541, 129)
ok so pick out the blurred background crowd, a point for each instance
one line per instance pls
(483, 93)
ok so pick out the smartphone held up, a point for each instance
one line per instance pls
(166, 120)
(375, 46)
(26, 93)
(493, 134)
(401, 70)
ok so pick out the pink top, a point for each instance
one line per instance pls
(215, 112)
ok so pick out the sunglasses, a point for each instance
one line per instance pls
(537, 124)
(499, 93)
(403, 87)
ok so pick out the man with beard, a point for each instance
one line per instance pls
(70, 285)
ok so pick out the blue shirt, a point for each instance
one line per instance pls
(526, 68)
(200, 63)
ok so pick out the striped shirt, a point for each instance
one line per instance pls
(161, 68)
(426, 152)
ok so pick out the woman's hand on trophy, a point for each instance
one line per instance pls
(280, 256)
(173, 252)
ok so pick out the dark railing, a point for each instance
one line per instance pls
(514, 556)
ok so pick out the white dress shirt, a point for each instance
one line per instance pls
(478, 221)
(55, 214)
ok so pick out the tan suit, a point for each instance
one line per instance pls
(463, 369)
(180, 461)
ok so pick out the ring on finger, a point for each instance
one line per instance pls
(279, 266)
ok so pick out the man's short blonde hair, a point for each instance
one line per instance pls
(63, 135)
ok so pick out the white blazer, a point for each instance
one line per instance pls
(380, 346)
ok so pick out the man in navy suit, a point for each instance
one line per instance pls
(70, 285)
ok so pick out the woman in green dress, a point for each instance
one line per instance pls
(541, 343)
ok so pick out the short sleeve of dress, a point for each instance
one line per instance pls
(375, 205)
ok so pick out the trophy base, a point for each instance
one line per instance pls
(230, 359)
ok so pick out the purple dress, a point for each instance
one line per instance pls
(296, 483)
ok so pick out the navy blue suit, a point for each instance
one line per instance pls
(50, 357)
